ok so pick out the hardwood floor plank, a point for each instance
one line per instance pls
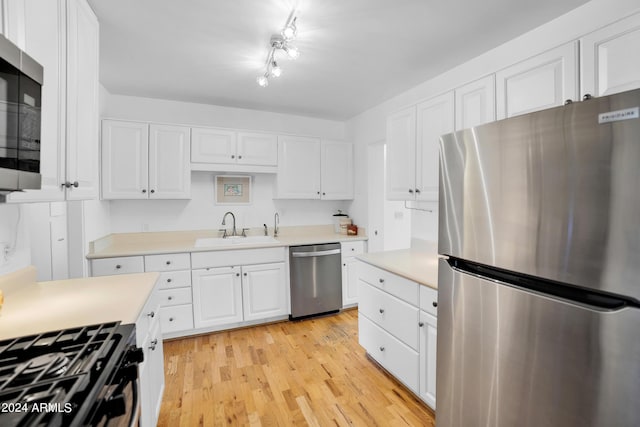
(310, 372)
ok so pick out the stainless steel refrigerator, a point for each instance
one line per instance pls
(539, 286)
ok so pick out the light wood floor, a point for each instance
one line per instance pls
(310, 372)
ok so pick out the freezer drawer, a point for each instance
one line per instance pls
(510, 357)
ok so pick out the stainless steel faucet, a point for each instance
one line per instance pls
(233, 232)
(276, 221)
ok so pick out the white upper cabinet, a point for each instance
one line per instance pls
(12, 21)
(543, 81)
(434, 119)
(226, 150)
(610, 59)
(169, 173)
(336, 170)
(401, 150)
(141, 161)
(476, 103)
(413, 146)
(63, 37)
(312, 169)
(257, 149)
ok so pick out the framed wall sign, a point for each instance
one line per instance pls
(233, 190)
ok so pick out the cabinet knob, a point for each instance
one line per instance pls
(421, 324)
(381, 348)
(68, 184)
(568, 102)
(344, 265)
(353, 249)
(245, 274)
(168, 262)
(417, 191)
(118, 266)
(586, 97)
(169, 297)
(239, 157)
(151, 314)
(170, 319)
(411, 191)
(237, 274)
(233, 156)
(324, 194)
(153, 191)
(144, 190)
(435, 303)
(318, 192)
(382, 311)
(169, 280)
(381, 280)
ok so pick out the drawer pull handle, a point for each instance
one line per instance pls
(435, 303)
(170, 319)
(237, 274)
(381, 348)
(421, 324)
(381, 310)
(151, 314)
(169, 280)
(245, 274)
(118, 266)
(169, 297)
(153, 344)
(381, 280)
(353, 249)
(168, 262)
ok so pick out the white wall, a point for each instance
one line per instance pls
(13, 235)
(201, 212)
(370, 125)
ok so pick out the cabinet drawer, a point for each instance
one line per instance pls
(352, 248)
(236, 257)
(429, 300)
(175, 279)
(390, 313)
(167, 262)
(120, 265)
(176, 318)
(393, 355)
(403, 288)
(176, 296)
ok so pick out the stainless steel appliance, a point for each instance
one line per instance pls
(316, 279)
(85, 376)
(538, 295)
(20, 117)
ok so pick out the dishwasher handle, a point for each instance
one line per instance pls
(315, 254)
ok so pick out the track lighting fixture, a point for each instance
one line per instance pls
(280, 42)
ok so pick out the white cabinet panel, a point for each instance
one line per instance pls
(175, 296)
(435, 117)
(209, 145)
(125, 160)
(118, 265)
(609, 58)
(401, 149)
(298, 168)
(336, 170)
(217, 296)
(349, 281)
(257, 149)
(237, 257)
(428, 346)
(169, 171)
(176, 318)
(429, 300)
(264, 291)
(174, 279)
(475, 103)
(540, 82)
(167, 262)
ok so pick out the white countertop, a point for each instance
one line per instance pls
(32, 307)
(149, 243)
(419, 265)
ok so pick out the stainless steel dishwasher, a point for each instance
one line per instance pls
(316, 279)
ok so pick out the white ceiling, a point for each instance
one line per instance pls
(355, 53)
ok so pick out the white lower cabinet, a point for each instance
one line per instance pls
(151, 370)
(349, 252)
(263, 293)
(217, 296)
(398, 327)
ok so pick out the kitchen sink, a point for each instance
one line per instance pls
(233, 240)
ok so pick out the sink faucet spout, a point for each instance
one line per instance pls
(233, 232)
(276, 221)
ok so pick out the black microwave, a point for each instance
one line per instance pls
(20, 118)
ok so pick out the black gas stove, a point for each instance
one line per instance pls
(72, 377)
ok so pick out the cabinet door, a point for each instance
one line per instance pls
(169, 168)
(209, 145)
(349, 281)
(428, 340)
(264, 290)
(435, 118)
(217, 296)
(152, 379)
(82, 101)
(541, 82)
(401, 151)
(298, 167)
(476, 103)
(13, 21)
(610, 60)
(125, 159)
(336, 174)
(257, 149)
